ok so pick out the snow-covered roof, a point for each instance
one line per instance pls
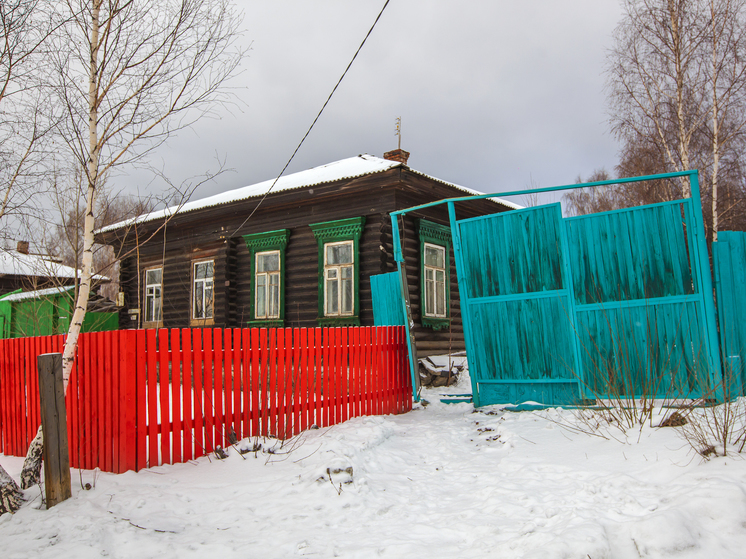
(14, 263)
(471, 191)
(35, 294)
(349, 168)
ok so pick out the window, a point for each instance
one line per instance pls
(339, 271)
(154, 297)
(203, 290)
(435, 281)
(435, 247)
(267, 253)
(339, 289)
(267, 301)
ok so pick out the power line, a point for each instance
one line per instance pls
(314, 120)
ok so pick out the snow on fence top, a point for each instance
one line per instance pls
(351, 167)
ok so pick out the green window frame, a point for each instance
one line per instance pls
(262, 245)
(338, 234)
(435, 236)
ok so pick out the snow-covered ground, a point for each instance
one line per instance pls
(442, 481)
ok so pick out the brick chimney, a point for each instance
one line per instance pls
(397, 155)
(22, 247)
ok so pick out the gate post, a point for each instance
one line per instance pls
(408, 321)
(54, 427)
(705, 284)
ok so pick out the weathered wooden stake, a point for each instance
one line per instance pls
(54, 426)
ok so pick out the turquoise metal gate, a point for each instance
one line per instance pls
(557, 310)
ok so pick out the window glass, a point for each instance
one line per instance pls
(208, 300)
(339, 253)
(332, 293)
(199, 300)
(268, 261)
(261, 296)
(347, 295)
(435, 256)
(274, 296)
(153, 276)
(440, 293)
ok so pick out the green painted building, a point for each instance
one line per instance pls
(48, 311)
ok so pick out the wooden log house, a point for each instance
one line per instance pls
(305, 256)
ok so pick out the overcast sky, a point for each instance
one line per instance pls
(493, 94)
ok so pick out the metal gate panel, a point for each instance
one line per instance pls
(517, 308)
(638, 302)
(512, 253)
(609, 304)
(639, 253)
(654, 350)
(729, 263)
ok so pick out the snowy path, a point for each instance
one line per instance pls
(439, 482)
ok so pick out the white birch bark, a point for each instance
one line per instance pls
(11, 496)
(715, 119)
(86, 273)
(145, 62)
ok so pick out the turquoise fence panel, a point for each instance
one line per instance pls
(640, 253)
(657, 350)
(387, 297)
(513, 252)
(520, 339)
(729, 263)
(639, 308)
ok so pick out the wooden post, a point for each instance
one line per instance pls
(54, 426)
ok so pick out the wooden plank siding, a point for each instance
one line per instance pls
(211, 233)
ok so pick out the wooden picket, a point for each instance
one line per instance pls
(140, 398)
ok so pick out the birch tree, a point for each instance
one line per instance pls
(677, 85)
(25, 33)
(657, 80)
(26, 26)
(727, 82)
(128, 74)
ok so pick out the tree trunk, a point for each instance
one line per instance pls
(715, 123)
(677, 42)
(11, 495)
(31, 473)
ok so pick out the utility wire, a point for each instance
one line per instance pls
(314, 120)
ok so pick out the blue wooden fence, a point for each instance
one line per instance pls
(387, 300)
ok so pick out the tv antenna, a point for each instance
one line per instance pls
(398, 129)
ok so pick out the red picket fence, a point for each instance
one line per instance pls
(139, 398)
